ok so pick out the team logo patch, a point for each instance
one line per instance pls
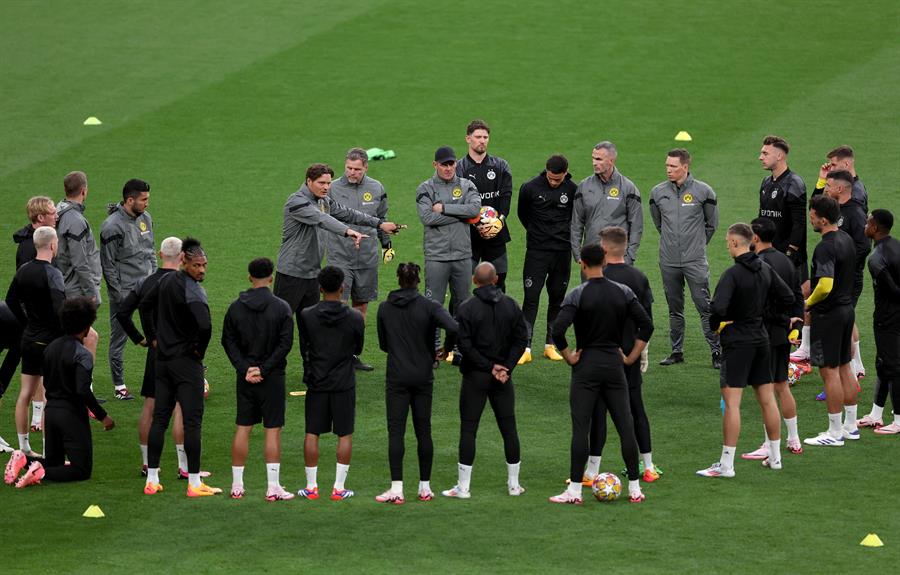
(614, 193)
(457, 192)
(491, 174)
(840, 221)
(367, 197)
(143, 226)
(774, 193)
(528, 282)
(564, 199)
(688, 198)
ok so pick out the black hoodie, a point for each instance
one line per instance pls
(406, 324)
(25, 251)
(258, 331)
(744, 294)
(332, 334)
(492, 330)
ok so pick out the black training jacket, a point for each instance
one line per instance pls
(407, 321)
(777, 319)
(183, 326)
(884, 265)
(635, 279)
(493, 180)
(546, 213)
(258, 331)
(68, 372)
(744, 292)
(492, 330)
(132, 301)
(332, 333)
(35, 296)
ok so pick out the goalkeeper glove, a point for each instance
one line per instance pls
(387, 254)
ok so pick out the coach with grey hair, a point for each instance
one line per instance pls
(606, 198)
(685, 214)
(356, 190)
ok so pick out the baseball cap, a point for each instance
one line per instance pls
(444, 154)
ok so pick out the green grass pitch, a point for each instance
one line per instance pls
(221, 106)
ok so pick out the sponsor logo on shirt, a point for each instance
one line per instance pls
(770, 213)
(457, 192)
(489, 195)
(491, 174)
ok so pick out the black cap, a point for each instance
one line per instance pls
(444, 154)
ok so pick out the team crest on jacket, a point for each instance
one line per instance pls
(840, 221)
(774, 193)
(143, 226)
(564, 199)
(614, 193)
(367, 197)
(688, 198)
(457, 192)
(491, 174)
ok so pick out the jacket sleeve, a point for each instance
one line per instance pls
(231, 343)
(635, 219)
(471, 202)
(381, 214)
(80, 251)
(564, 319)
(718, 307)
(444, 320)
(466, 342)
(57, 289)
(283, 347)
(780, 295)
(200, 311)
(799, 302)
(125, 311)
(518, 338)
(506, 187)
(796, 204)
(347, 215)
(655, 213)
(711, 214)
(147, 306)
(84, 370)
(523, 206)
(110, 242)
(303, 335)
(424, 203)
(306, 212)
(381, 329)
(576, 228)
(642, 320)
(647, 299)
(14, 301)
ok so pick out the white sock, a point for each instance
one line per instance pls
(194, 479)
(647, 458)
(512, 470)
(152, 475)
(182, 456)
(593, 466)
(273, 470)
(424, 486)
(237, 475)
(634, 487)
(834, 424)
(144, 454)
(311, 473)
(850, 417)
(120, 387)
(527, 350)
(804, 343)
(774, 450)
(465, 476)
(397, 487)
(340, 476)
(791, 423)
(857, 358)
(37, 413)
(24, 445)
(727, 459)
(574, 489)
(877, 412)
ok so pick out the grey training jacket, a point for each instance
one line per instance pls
(599, 204)
(304, 214)
(447, 234)
(78, 258)
(686, 217)
(127, 250)
(367, 197)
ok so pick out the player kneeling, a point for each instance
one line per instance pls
(68, 371)
(257, 335)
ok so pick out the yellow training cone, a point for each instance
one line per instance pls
(871, 540)
(95, 512)
(297, 393)
(92, 121)
(682, 136)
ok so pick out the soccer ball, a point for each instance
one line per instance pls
(795, 372)
(485, 215)
(607, 487)
(205, 388)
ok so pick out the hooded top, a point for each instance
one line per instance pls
(258, 331)
(24, 240)
(332, 334)
(743, 294)
(407, 321)
(492, 330)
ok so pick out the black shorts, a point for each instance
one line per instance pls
(261, 402)
(887, 355)
(299, 293)
(745, 366)
(830, 336)
(148, 386)
(779, 357)
(33, 357)
(333, 411)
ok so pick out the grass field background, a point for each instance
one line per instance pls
(222, 106)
